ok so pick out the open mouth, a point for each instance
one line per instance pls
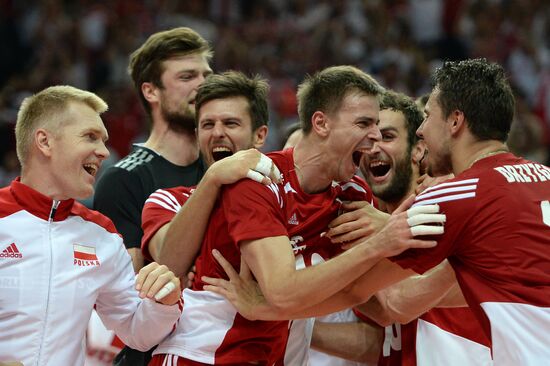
(356, 156)
(220, 152)
(379, 168)
(91, 169)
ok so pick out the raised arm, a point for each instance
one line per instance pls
(177, 243)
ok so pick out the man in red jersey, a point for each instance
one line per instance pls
(267, 226)
(440, 336)
(497, 233)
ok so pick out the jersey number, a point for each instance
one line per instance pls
(545, 207)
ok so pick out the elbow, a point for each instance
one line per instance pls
(403, 318)
(397, 316)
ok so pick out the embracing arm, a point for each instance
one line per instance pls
(248, 296)
(412, 297)
(177, 243)
(291, 293)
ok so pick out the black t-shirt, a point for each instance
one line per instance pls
(124, 187)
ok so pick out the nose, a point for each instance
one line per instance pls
(102, 152)
(419, 130)
(375, 149)
(375, 135)
(218, 131)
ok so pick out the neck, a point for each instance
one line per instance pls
(311, 166)
(470, 154)
(40, 182)
(179, 148)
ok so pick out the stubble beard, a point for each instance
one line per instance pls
(442, 166)
(398, 187)
(179, 121)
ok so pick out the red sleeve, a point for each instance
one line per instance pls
(254, 211)
(159, 209)
(457, 200)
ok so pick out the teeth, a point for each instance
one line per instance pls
(221, 149)
(363, 150)
(91, 168)
(377, 163)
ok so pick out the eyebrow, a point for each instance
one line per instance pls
(105, 136)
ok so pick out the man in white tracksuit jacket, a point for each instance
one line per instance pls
(57, 258)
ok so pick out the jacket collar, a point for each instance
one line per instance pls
(38, 204)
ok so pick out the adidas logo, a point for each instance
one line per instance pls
(11, 251)
(293, 220)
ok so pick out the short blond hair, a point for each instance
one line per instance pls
(45, 109)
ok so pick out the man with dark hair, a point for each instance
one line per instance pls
(392, 168)
(166, 71)
(497, 232)
(272, 228)
(232, 116)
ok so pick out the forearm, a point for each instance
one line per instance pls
(293, 293)
(183, 238)
(355, 341)
(384, 273)
(453, 299)
(375, 311)
(412, 297)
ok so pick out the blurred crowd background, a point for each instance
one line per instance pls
(86, 44)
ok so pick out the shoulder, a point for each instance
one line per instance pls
(8, 205)
(248, 191)
(170, 198)
(136, 165)
(139, 157)
(356, 189)
(283, 160)
(93, 217)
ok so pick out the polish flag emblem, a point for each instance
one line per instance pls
(84, 256)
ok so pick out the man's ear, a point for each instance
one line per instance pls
(260, 135)
(319, 124)
(418, 152)
(150, 92)
(457, 121)
(43, 141)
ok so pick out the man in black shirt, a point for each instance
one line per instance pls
(166, 70)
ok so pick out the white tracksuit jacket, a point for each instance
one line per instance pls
(56, 263)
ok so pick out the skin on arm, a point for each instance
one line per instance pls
(249, 300)
(355, 341)
(177, 243)
(290, 291)
(412, 297)
(137, 258)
